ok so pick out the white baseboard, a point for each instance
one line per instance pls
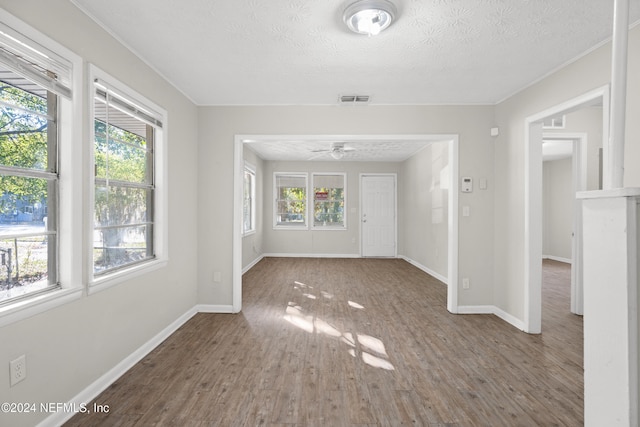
(517, 323)
(213, 308)
(296, 255)
(98, 386)
(101, 384)
(426, 269)
(252, 263)
(492, 309)
(476, 309)
(557, 258)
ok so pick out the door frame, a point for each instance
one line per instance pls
(395, 210)
(452, 141)
(579, 142)
(533, 197)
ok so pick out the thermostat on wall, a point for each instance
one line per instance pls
(467, 184)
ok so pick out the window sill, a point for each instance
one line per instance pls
(328, 228)
(117, 277)
(249, 233)
(38, 304)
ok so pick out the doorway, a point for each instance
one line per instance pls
(378, 225)
(565, 165)
(533, 202)
(452, 142)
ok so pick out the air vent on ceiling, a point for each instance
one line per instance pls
(354, 99)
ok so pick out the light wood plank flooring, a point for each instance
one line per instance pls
(360, 342)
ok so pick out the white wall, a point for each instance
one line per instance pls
(69, 347)
(219, 125)
(588, 120)
(588, 73)
(252, 245)
(425, 208)
(557, 209)
(320, 242)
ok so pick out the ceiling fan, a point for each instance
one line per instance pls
(337, 150)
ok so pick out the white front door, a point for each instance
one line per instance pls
(378, 215)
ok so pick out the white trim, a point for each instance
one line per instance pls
(135, 52)
(215, 308)
(70, 205)
(579, 174)
(557, 258)
(491, 309)
(98, 386)
(610, 193)
(453, 224)
(160, 220)
(565, 64)
(509, 318)
(533, 198)
(238, 207)
(395, 209)
(427, 270)
(310, 255)
(311, 195)
(240, 139)
(28, 307)
(102, 283)
(274, 194)
(254, 205)
(252, 263)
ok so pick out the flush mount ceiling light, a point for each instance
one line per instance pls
(369, 17)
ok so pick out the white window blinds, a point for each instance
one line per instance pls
(328, 181)
(35, 62)
(125, 104)
(291, 181)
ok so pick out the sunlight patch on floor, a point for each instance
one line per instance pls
(375, 354)
(355, 305)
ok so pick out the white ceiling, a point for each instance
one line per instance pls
(556, 149)
(356, 148)
(299, 52)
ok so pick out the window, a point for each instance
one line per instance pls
(557, 122)
(249, 206)
(126, 133)
(34, 85)
(329, 200)
(290, 200)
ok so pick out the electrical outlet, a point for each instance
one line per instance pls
(18, 370)
(465, 283)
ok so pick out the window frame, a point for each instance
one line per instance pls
(49, 174)
(251, 170)
(312, 205)
(70, 180)
(288, 226)
(105, 280)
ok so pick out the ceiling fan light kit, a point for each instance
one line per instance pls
(369, 17)
(337, 154)
(337, 150)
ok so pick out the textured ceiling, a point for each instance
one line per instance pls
(356, 149)
(299, 52)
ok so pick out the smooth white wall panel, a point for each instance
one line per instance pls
(69, 347)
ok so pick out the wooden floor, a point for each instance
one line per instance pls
(359, 342)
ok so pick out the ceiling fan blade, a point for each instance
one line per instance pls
(320, 154)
